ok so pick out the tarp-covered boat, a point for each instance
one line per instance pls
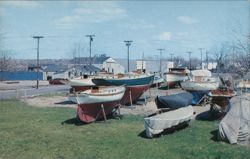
(174, 101)
(92, 102)
(158, 123)
(235, 126)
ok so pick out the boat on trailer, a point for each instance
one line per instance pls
(96, 103)
(157, 123)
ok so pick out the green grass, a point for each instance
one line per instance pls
(29, 132)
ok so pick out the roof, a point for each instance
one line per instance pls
(86, 68)
(54, 68)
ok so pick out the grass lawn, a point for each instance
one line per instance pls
(29, 132)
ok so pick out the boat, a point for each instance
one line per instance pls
(200, 80)
(176, 75)
(220, 101)
(130, 80)
(235, 126)
(157, 123)
(199, 84)
(204, 84)
(135, 85)
(157, 81)
(174, 101)
(93, 102)
(80, 83)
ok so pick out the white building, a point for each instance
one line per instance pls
(209, 66)
(152, 66)
(111, 66)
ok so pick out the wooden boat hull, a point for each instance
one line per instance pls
(134, 92)
(91, 112)
(86, 97)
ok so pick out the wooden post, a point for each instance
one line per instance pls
(103, 113)
(130, 96)
(119, 109)
(145, 99)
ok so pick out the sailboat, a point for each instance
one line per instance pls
(136, 85)
(93, 102)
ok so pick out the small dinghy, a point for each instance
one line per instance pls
(159, 122)
(174, 101)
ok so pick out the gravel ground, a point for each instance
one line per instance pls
(141, 108)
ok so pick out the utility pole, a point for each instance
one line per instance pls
(207, 58)
(128, 43)
(90, 41)
(201, 56)
(189, 53)
(160, 61)
(142, 62)
(171, 57)
(37, 60)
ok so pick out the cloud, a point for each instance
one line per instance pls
(22, 4)
(92, 12)
(166, 36)
(187, 20)
(137, 24)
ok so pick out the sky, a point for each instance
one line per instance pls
(176, 26)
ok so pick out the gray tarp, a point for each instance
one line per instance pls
(235, 126)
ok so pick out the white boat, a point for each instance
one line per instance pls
(157, 81)
(206, 84)
(158, 123)
(98, 95)
(201, 80)
(80, 83)
(176, 75)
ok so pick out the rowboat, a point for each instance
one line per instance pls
(93, 101)
(135, 85)
(157, 123)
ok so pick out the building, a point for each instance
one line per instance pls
(209, 65)
(153, 66)
(111, 66)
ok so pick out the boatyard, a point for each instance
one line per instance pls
(124, 79)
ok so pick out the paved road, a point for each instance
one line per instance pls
(19, 93)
